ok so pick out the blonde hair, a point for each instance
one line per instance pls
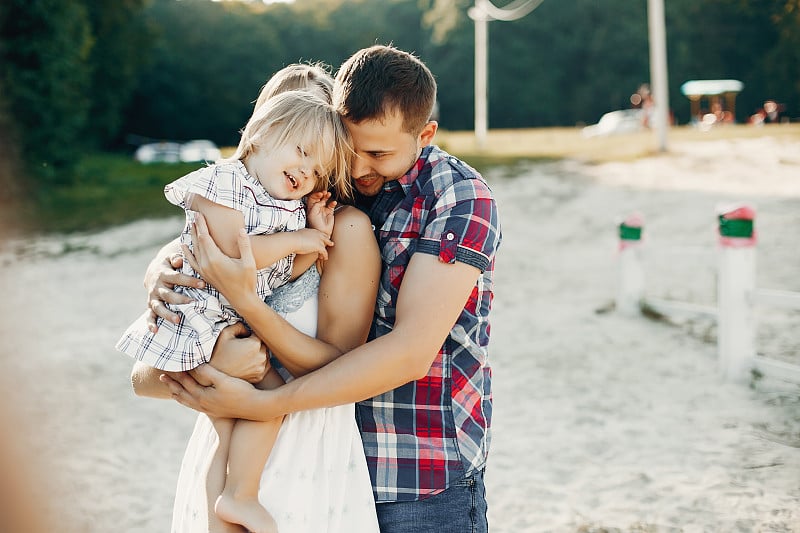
(304, 119)
(313, 77)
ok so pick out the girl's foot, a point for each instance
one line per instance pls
(245, 511)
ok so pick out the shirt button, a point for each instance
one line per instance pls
(450, 236)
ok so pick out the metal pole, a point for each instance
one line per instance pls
(658, 70)
(481, 72)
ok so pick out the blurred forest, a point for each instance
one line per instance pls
(89, 75)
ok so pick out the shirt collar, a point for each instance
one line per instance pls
(406, 180)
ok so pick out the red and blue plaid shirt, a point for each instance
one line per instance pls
(423, 436)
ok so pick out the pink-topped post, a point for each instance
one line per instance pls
(630, 285)
(736, 287)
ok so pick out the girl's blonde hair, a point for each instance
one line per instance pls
(303, 119)
(298, 76)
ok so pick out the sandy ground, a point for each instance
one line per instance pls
(602, 422)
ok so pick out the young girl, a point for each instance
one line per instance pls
(293, 145)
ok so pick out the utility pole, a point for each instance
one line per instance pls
(481, 18)
(482, 12)
(658, 70)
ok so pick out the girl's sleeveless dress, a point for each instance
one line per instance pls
(316, 478)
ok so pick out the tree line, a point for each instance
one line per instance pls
(93, 75)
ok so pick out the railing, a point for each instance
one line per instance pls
(737, 295)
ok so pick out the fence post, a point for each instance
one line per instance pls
(630, 285)
(735, 287)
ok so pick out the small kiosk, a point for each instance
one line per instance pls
(720, 96)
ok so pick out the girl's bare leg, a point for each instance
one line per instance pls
(250, 446)
(215, 478)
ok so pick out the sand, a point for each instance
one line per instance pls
(602, 422)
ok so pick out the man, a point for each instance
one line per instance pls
(423, 379)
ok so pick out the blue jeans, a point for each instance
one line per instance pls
(459, 509)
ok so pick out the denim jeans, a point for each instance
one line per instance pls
(459, 509)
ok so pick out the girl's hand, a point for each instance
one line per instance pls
(162, 276)
(240, 354)
(234, 278)
(319, 212)
(311, 241)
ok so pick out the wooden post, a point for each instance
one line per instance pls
(630, 285)
(735, 292)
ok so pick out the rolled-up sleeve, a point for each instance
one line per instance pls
(463, 226)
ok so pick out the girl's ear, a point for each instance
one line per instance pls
(428, 132)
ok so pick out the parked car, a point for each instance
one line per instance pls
(162, 152)
(616, 122)
(199, 150)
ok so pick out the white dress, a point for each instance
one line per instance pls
(316, 477)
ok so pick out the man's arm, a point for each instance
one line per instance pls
(405, 354)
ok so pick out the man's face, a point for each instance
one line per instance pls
(384, 151)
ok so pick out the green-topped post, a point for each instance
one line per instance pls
(735, 291)
(630, 283)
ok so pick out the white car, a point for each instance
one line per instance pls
(199, 150)
(163, 152)
(616, 122)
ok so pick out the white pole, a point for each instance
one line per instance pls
(481, 71)
(736, 287)
(658, 70)
(630, 284)
(482, 12)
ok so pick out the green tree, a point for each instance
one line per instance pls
(209, 62)
(122, 45)
(782, 62)
(45, 79)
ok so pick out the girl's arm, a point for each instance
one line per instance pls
(224, 224)
(346, 296)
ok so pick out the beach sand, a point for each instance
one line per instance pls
(601, 422)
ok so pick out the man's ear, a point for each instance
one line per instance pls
(427, 133)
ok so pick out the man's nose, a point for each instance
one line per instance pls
(360, 167)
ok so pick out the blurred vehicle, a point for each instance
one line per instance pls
(616, 122)
(163, 152)
(199, 150)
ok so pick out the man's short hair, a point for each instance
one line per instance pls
(376, 81)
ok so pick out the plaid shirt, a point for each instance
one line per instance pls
(425, 435)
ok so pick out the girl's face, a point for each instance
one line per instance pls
(287, 172)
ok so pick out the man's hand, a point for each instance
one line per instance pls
(240, 354)
(160, 280)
